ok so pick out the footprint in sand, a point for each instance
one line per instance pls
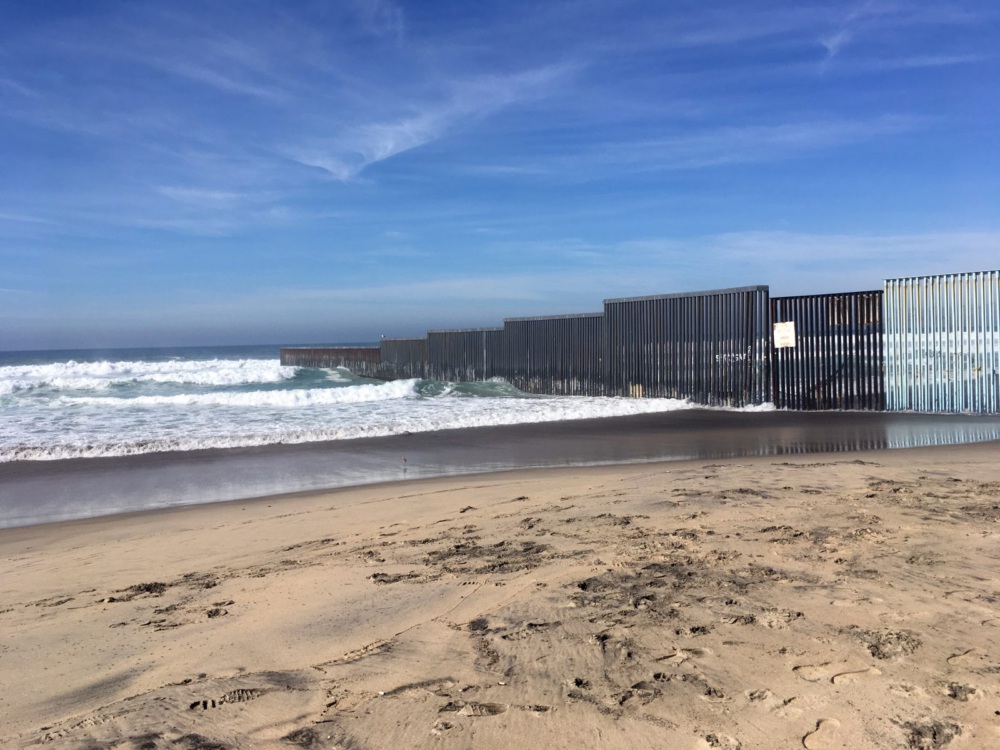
(826, 671)
(845, 602)
(855, 602)
(848, 678)
(813, 672)
(967, 657)
(723, 741)
(683, 654)
(441, 726)
(967, 595)
(823, 736)
(472, 708)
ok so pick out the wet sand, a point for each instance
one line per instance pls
(834, 600)
(45, 491)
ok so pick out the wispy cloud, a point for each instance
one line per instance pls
(849, 28)
(346, 155)
(912, 62)
(211, 76)
(23, 218)
(879, 22)
(381, 17)
(709, 147)
(763, 142)
(212, 119)
(835, 42)
(211, 198)
(930, 61)
(18, 88)
(360, 145)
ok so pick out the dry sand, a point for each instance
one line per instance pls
(824, 601)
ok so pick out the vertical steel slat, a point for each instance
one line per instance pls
(710, 347)
(837, 361)
(946, 355)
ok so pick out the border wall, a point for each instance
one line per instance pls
(710, 347)
(927, 343)
(365, 361)
(828, 352)
(556, 355)
(404, 358)
(462, 354)
(942, 347)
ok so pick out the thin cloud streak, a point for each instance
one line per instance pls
(761, 142)
(347, 155)
(23, 218)
(711, 148)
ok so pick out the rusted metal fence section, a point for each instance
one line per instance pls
(942, 343)
(828, 352)
(404, 358)
(710, 347)
(554, 355)
(365, 361)
(463, 354)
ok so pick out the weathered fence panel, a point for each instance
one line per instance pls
(828, 352)
(942, 343)
(463, 354)
(404, 358)
(711, 347)
(555, 355)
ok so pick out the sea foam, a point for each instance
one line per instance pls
(84, 376)
(285, 399)
(116, 408)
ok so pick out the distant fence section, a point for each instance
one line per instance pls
(943, 343)
(365, 361)
(827, 352)
(557, 355)
(923, 343)
(404, 358)
(710, 347)
(462, 354)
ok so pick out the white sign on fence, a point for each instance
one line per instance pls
(784, 334)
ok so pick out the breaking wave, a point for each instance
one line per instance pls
(88, 409)
(91, 376)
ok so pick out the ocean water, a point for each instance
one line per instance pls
(82, 404)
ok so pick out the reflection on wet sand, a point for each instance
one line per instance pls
(43, 491)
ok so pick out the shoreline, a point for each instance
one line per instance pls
(817, 600)
(979, 451)
(51, 491)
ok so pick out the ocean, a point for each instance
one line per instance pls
(101, 403)
(92, 433)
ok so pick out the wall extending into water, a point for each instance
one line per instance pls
(929, 344)
(365, 361)
(561, 355)
(463, 354)
(404, 358)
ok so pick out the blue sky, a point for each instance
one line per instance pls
(246, 172)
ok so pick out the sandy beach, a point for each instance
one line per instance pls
(832, 600)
